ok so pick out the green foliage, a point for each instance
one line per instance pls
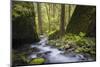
(80, 42)
(19, 57)
(22, 9)
(37, 61)
(73, 37)
(82, 34)
(84, 44)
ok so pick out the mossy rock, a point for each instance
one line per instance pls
(19, 58)
(23, 25)
(37, 61)
(34, 49)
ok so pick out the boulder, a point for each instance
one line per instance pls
(23, 25)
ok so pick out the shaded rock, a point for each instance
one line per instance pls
(71, 49)
(19, 58)
(43, 55)
(35, 49)
(23, 26)
(70, 54)
(80, 57)
(47, 52)
(62, 53)
(40, 55)
(66, 47)
(44, 45)
(60, 49)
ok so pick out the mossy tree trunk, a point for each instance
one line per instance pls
(62, 20)
(40, 18)
(83, 20)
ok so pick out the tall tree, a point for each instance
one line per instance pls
(39, 18)
(69, 8)
(48, 15)
(62, 19)
(82, 20)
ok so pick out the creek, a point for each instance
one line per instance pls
(52, 54)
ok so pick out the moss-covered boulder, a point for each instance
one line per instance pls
(37, 61)
(19, 58)
(23, 24)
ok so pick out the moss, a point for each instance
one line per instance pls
(19, 58)
(23, 24)
(37, 61)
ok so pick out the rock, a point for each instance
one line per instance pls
(40, 55)
(60, 49)
(52, 46)
(37, 61)
(23, 30)
(80, 57)
(87, 56)
(39, 44)
(43, 55)
(44, 45)
(70, 54)
(47, 52)
(34, 49)
(41, 36)
(66, 47)
(71, 49)
(62, 53)
(19, 58)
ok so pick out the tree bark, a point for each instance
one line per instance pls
(39, 18)
(62, 20)
(82, 18)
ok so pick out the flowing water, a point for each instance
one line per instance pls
(54, 55)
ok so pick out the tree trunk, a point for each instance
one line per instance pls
(39, 18)
(69, 8)
(82, 20)
(62, 20)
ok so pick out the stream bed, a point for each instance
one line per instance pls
(52, 54)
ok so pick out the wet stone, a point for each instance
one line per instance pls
(47, 52)
(34, 49)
